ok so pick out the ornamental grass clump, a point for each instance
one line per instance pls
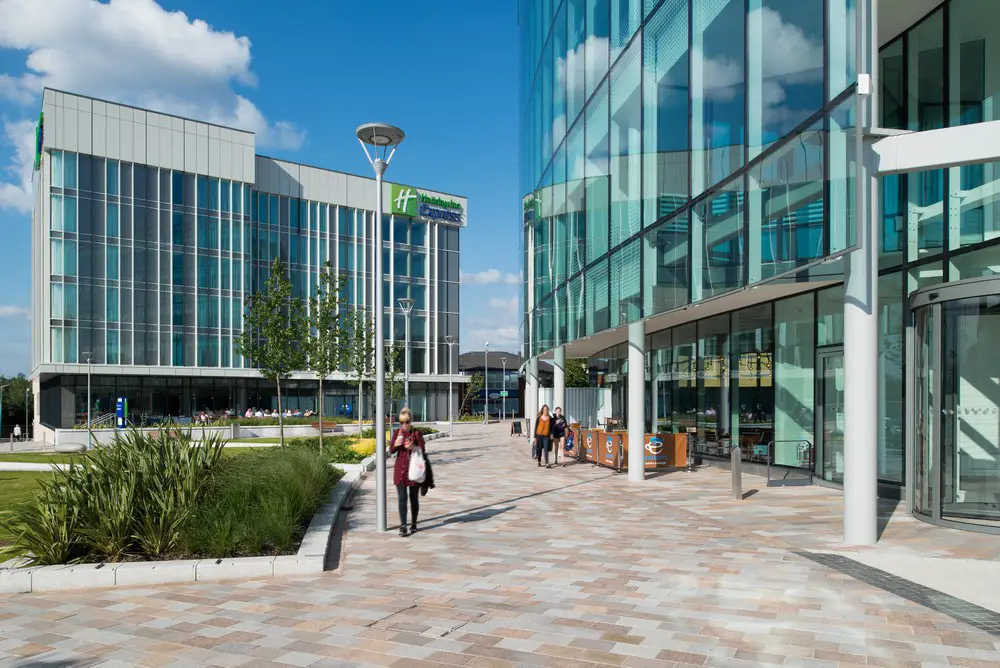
(260, 502)
(129, 498)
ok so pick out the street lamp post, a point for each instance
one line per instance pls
(486, 384)
(503, 394)
(27, 390)
(88, 356)
(381, 138)
(450, 340)
(406, 305)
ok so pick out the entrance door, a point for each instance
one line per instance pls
(830, 414)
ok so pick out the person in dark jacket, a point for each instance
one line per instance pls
(402, 443)
(559, 436)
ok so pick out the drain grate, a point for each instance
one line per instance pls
(428, 620)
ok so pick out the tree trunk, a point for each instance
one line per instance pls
(281, 417)
(321, 416)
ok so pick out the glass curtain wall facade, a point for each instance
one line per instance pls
(677, 150)
(745, 173)
(137, 264)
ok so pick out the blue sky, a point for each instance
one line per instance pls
(302, 75)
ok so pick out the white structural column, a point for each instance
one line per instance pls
(531, 400)
(559, 379)
(861, 378)
(636, 402)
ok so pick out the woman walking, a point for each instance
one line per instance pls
(559, 436)
(543, 435)
(404, 440)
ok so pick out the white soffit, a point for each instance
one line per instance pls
(937, 149)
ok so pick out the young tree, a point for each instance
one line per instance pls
(273, 332)
(326, 345)
(471, 391)
(394, 388)
(360, 360)
(577, 372)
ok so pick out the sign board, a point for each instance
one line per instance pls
(121, 412)
(409, 201)
(495, 395)
(504, 393)
(39, 140)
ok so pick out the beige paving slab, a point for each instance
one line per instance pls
(517, 565)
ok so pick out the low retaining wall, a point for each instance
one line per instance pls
(75, 439)
(309, 559)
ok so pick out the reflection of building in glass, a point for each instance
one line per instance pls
(150, 230)
(689, 168)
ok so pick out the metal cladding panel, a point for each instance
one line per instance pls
(152, 145)
(139, 140)
(190, 151)
(125, 137)
(360, 192)
(201, 161)
(177, 148)
(113, 137)
(100, 124)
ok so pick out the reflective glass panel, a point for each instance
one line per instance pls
(665, 111)
(626, 145)
(718, 91)
(721, 217)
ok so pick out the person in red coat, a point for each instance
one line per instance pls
(402, 443)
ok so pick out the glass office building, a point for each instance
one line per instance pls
(149, 232)
(690, 167)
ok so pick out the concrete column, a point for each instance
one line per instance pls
(861, 379)
(636, 401)
(559, 380)
(241, 397)
(531, 401)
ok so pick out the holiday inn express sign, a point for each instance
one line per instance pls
(408, 201)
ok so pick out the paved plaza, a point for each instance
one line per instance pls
(521, 566)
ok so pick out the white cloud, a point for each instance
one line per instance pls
(500, 338)
(489, 277)
(505, 304)
(136, 52)
(15, 184)
(8, 311)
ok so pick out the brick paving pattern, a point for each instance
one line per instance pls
(521, 566)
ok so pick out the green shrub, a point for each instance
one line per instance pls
(336, 449)
(129, 497)
(370, 432)
(260, 502)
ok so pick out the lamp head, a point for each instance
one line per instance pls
(449, 339)
(381, 137)
(406, 305)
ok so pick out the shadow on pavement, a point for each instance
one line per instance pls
(468, 518)
(466, 511)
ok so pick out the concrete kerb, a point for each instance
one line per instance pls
(308, 560)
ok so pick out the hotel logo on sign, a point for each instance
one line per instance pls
(409, 201)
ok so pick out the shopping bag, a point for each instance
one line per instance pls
(418, 466)
(534, 448)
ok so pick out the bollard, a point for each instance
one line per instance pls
(736, 463)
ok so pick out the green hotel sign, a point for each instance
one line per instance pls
(39, 140)
(408, 201)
